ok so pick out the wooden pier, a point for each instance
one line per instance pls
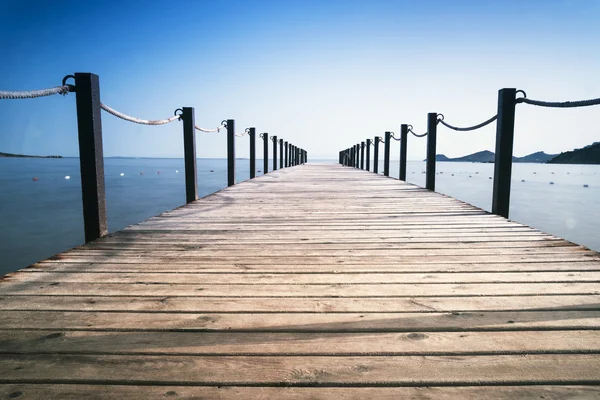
(317, 281)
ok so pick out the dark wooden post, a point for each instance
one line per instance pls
(265, 137)
(362, 155)
(431, 150)
(386, 154)
(340, 157)
(403, 146)
(505, 130)
(376, 155)
(357, 147)
(230, 152)
(347, 151)
(189, 152)
(281, 153)
(297, 155)
(368, 163)
(305, 156)
(274, 153)
(252, 133)
(91, 158)
(353, 156)
(286, 161)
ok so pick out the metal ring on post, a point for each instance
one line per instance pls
(178, 115)
(224, 123)
(519, 99)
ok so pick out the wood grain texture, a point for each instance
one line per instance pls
(316, 281)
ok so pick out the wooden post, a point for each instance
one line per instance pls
(340, 157)
(362, 155)
(280, 153)
(505, 130)
(431, 150)
(274, 153)
(286, 149)
(91, 158)
(230, 152)
(305, 156)
(403, 146)
(265, 137)
(353, 156)
(368, 163)
(252, 134)
(189, 152)
(357, 147)
(297, 155)
(376, 155)
(386, 154)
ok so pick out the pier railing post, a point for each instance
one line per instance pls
(230, 152)
(252, 134)
(286, 149)
(362, 155)
(274, 153)
(431, 150)
(505, 130)
(189, 153)
(357, 146)
(297, 155)
(376, 155)
(91, 158)
(354, 156)
(280, 153)
(265, 137)
(368, 163)
(305, 156)
(386, 154)
(403, 146)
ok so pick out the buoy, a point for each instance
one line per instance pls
(452, 174)
(476, 172)
(552, 183)
(522, 180)
(259, 170)
(67, 177)
(470, 176)
(35, 178)
(585, 185)
(489, 177)
(212, 170)
(122, 174)
(535, 173)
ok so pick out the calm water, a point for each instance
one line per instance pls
(44, 217)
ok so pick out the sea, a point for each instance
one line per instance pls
(41, 211)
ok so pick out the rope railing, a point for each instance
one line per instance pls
(410, 129)
(394, 137)
(557, 104)
(32, 94)
(217, 129)
(468, 128)
(138, 120)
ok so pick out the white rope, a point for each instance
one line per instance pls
(218, 129)
(137, 120)
(32, 94)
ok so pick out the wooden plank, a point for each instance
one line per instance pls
(67, 392)
(250, 267)
(561, 369)
(294, 304)
(300, 290)
(130, 392)
(283, 343)
(301, 279)
(555, 319)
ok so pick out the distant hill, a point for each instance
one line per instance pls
(539, 157)
(487, 156)
(586, 155)
(25, 156)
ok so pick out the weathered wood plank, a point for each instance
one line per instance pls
(131, 392)
(555, 319)
(291, 370)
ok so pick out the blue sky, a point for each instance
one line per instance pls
(321, 74)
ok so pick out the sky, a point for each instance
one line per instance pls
(322, 74)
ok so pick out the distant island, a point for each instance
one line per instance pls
(587, 155)
(9, 155)
(487, 156)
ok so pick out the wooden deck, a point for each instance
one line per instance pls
(314, 281)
